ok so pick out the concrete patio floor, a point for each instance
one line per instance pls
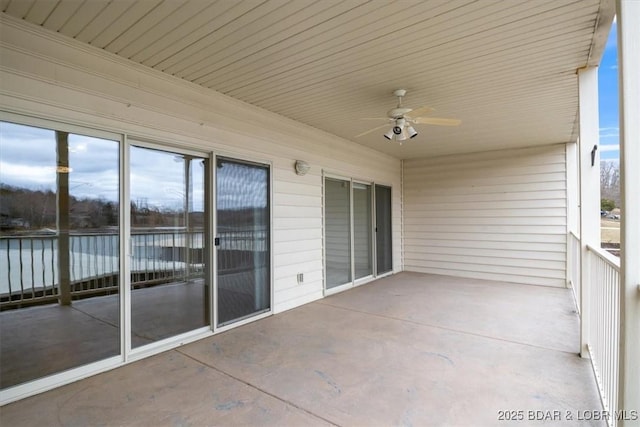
(410, 349)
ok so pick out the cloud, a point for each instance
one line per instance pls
(39, 177)
(609, 132)
(610, 147)
(28, 160)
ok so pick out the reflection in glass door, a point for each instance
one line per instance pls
(362, 231)
(242, 239)
(169, 287)
(384, 263)
(59, 251)
(337, 222)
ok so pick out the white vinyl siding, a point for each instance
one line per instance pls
(496, 215)
(48, 76)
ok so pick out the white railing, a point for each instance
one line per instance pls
(573, 268)
(29, 264)
(604, 324)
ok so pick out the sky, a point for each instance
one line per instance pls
(157, 177)
(608, 100)
(28, 160)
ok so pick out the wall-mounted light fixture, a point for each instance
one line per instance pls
(302, 167)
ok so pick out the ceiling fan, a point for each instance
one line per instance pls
(403, 119)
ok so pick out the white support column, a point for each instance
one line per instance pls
(573, 221)
(589, 167)
(573, 199)
(628, 16)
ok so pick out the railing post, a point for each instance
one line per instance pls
(589, 183)
(628, 17)
(62, 217)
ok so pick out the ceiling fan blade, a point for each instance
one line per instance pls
(374, 118)
(371, 130)
(420, 111)
(437, 121)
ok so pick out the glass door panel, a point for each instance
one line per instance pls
(169, 287)
(337, 232)
(362, 230)
(243, 239)
(59, 251)
(384, 260)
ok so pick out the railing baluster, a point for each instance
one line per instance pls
(21, 269)
(173, 254)
(53, 269)
(605, 326)
(72, 259)
(185, 257)
(80, 263)
(146, 257)
(42, 262)
(33, 279)
(9, 266)
(95, 281)
(54, 263)
(111, 241)
(153, 253)
(103, 271)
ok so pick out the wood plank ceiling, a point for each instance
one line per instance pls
(507, 69)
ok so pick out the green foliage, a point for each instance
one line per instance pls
(607, 204)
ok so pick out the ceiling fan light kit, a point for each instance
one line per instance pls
(389, 135)
(401, 131)
(403, 119)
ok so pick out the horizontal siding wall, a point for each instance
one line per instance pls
(497, 215)
(47, 76)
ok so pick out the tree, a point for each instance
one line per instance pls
(610, 182)
(607, 204)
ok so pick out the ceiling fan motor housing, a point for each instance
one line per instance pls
(396, 113)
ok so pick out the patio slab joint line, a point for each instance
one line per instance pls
(253, 386)
(103, 321)
(447, 329)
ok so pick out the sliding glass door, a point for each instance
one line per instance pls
(105, 249)
(384, 259)
(59, 250)
(355, 248)
(337, 221)
(169, 287)
(362, 230)
(242, 239)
